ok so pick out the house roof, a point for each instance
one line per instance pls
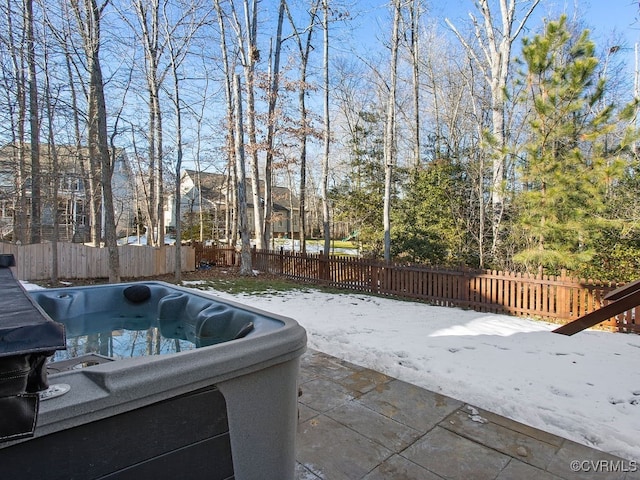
(68, 157)
(213, 186)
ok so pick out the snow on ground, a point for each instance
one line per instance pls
(312, 247)
(142, 240)
(585, 387)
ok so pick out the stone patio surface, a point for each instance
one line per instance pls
(356, 423)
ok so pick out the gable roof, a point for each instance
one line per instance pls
(213, 186)
(69, 158)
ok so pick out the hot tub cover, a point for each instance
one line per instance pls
(24, 327)
(27, 337)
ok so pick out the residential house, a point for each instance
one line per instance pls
(216, 194)
(71, 207)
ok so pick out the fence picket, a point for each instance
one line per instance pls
(554, 298)
(78, 261)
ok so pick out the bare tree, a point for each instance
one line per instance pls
(183, 30)
(196, 159)
(326, 226)
(390, 129)
(148, 14)
(73, 66)
(495, 43)
(246, 267)
(271, 125)
(457, 102)
(55, 171)
(247, 43)
(231, 218)
(16, 88)
(89, 17)
(414, 18)
(34, 126)
(93, 172)
(304, 50)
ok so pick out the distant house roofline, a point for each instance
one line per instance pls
(211, 182)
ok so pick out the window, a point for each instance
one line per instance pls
(6, 179)
(71, 182)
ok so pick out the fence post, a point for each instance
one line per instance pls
(323, 267)
(281, 261)
(373, 279)
(465, 287)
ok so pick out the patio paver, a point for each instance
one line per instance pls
(359, 424)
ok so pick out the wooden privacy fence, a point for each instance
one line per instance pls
(76, 260)
(213, 255)
(554, 298)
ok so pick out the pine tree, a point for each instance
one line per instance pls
(426, 227)
(569, 165)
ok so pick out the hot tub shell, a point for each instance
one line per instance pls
(252, 381)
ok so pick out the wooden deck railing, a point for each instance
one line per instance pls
(617, 302)
(554, 298)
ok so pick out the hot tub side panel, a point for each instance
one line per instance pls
(263, 416)
(243, 428)
(181, 437)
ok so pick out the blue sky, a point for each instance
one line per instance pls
(602, 17)
(611, 22)
(607, 15)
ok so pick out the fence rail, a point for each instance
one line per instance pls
(79, 261)
(554, 298)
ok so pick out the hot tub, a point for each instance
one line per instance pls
(163, 382)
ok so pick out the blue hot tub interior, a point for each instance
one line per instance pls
(147, 318)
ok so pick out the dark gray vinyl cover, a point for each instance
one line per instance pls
(27, 337)
(24, 327)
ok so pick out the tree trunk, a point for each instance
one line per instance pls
(231, 218)
(199, 121)
(159, 206)
(20, 229)
(110, 234)
(150, 198)
(390, 127)
(177, 192)
(198, 178)
(177, 53)
(496, 44)
(55, 172)
(304, 123)
(78, 147)
(246, 267)
(251, 57)
(415, 60)
(97, 129)
(87, 16)
(271, 115)
(34, 124)
(326, 230)
(148, 16)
